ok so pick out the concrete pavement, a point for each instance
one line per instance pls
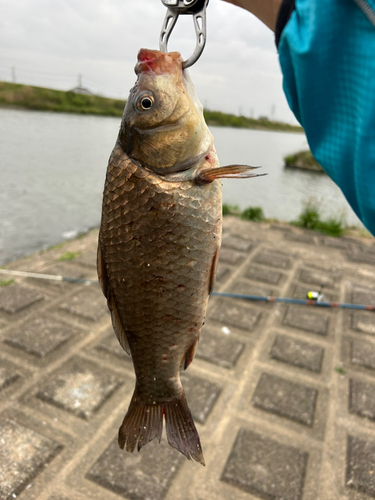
(283, 396)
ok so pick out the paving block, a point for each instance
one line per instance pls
(361, 257)
(222, 273)
(305, 319)
(362, 398)
(307, 238)
(317, 277)
(7, 377)
(365, 296)
(364, 322)
(360, 467)
(14, 298)
(237, 243)
(89, 304)
(80, 388)
(219, 348)
(146, 475)
(337, 243)
(263, 274)
(201, 395)
(297, 353)
(287, 399)
(40, 336)
(265, 468)
(232, 257)
(273, 259)
(363, 353)
(87, 258)
(248, 288)
(237, 315)
(111, 345)
(23, 455)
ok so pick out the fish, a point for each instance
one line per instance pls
(159, 243)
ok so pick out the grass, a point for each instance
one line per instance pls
(228, 120)
(39, 98)
(340, 370)
(253, 213)
(43, 99)
(4, 283)
(69, 256)
(230, 209)
(310, 218)
(303, 159)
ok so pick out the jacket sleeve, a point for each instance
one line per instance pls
(326, 53)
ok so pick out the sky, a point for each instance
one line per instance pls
(48, 43)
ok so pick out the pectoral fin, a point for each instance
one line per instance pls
(230, 171)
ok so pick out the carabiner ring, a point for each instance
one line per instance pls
(197, 8)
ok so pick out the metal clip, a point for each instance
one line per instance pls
(196, 8)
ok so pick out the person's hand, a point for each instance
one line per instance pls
(265, 10)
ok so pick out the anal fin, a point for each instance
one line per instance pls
(230, 171)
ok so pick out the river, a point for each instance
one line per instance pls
(52, 170)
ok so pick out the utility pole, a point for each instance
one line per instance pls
(80, 80)
(13, 74)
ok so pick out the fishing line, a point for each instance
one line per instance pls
(257, 298)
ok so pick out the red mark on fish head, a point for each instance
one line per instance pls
(210, 158)
(154, 61)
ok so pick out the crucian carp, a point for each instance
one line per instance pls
(159, 244)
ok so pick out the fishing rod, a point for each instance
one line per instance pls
(257, 298)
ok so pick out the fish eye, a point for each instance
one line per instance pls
(145, 102)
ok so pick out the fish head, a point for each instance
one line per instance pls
(163, 127)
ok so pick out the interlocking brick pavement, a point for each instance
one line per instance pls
(283, 396)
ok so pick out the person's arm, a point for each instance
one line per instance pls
(265, 10)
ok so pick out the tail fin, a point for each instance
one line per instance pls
(144, 423)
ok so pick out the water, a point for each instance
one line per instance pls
(52, 170)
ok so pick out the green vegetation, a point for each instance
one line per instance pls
(340, 370)
(227, 120)
(303, 159)
(39, 98)
(69, 256)
(253, 213)
(310, 218)
(4, 283)
(43, 99)
(230, 209)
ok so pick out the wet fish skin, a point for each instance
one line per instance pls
(158, 246)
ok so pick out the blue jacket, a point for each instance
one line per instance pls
(327, 56)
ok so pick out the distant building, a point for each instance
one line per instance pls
(81, 90)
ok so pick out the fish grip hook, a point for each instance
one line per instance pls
(196, 8)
